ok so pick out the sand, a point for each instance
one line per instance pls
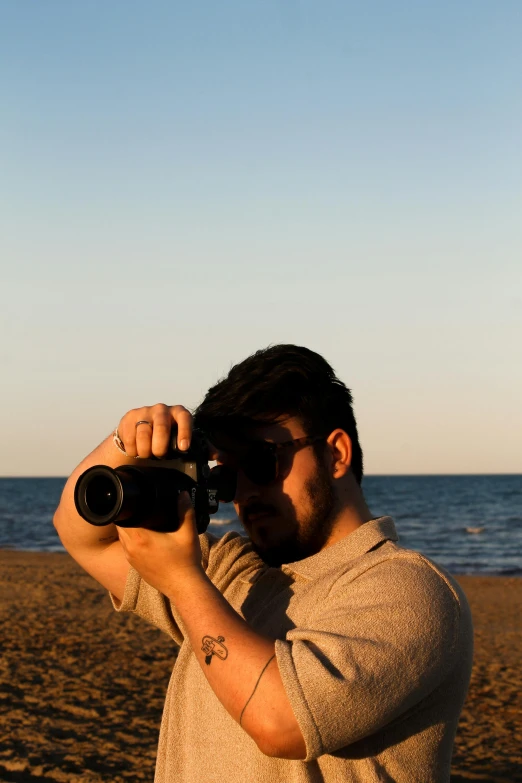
(82, 688)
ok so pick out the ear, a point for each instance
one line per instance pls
(340, 446)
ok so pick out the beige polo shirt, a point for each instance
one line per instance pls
(374, 646)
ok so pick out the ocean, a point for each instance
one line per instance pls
(468, 524)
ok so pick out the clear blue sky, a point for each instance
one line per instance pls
(183, 183)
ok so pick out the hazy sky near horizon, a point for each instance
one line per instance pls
(184, 183)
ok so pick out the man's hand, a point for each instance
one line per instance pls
(145, 432)
(163, 560)
(96, 549)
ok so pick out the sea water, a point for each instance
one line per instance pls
(468, 524)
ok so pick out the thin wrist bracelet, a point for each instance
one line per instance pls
(118, 442)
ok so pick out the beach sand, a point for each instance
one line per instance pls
(82, 688)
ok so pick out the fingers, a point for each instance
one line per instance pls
(185, 507)
(183, 419)
(157, 437)
(146, 431)
(133, 537)
(187, 534)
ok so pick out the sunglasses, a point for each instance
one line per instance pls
(261, 461)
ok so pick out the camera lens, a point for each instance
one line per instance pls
(101, 495)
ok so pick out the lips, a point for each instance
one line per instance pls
(257, 514)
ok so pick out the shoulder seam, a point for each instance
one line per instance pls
(412, 555)
(407, 554)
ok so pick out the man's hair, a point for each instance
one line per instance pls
(282, 380)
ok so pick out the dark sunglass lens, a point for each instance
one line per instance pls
(260, 465)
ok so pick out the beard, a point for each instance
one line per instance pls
(309, 534)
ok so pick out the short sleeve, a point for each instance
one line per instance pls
(148, 603)
(377, 646)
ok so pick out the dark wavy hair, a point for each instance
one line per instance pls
(282, 380)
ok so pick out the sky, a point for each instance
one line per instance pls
(182, 184)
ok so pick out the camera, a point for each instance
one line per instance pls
(146, 494)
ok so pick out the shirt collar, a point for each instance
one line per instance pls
(355, 544)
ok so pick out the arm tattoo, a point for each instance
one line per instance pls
(255, 687)
(212, 647)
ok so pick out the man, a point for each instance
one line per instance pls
(315, 649)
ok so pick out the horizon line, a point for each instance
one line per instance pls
(366, 475)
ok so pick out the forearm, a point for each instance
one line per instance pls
(245, 678)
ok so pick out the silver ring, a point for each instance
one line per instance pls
(143, 422)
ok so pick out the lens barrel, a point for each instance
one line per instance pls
(103, 495)
(131, 496)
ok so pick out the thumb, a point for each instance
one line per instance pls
(186, 511)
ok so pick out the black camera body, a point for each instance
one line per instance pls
(145, 493)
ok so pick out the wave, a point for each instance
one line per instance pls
(221, 522)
